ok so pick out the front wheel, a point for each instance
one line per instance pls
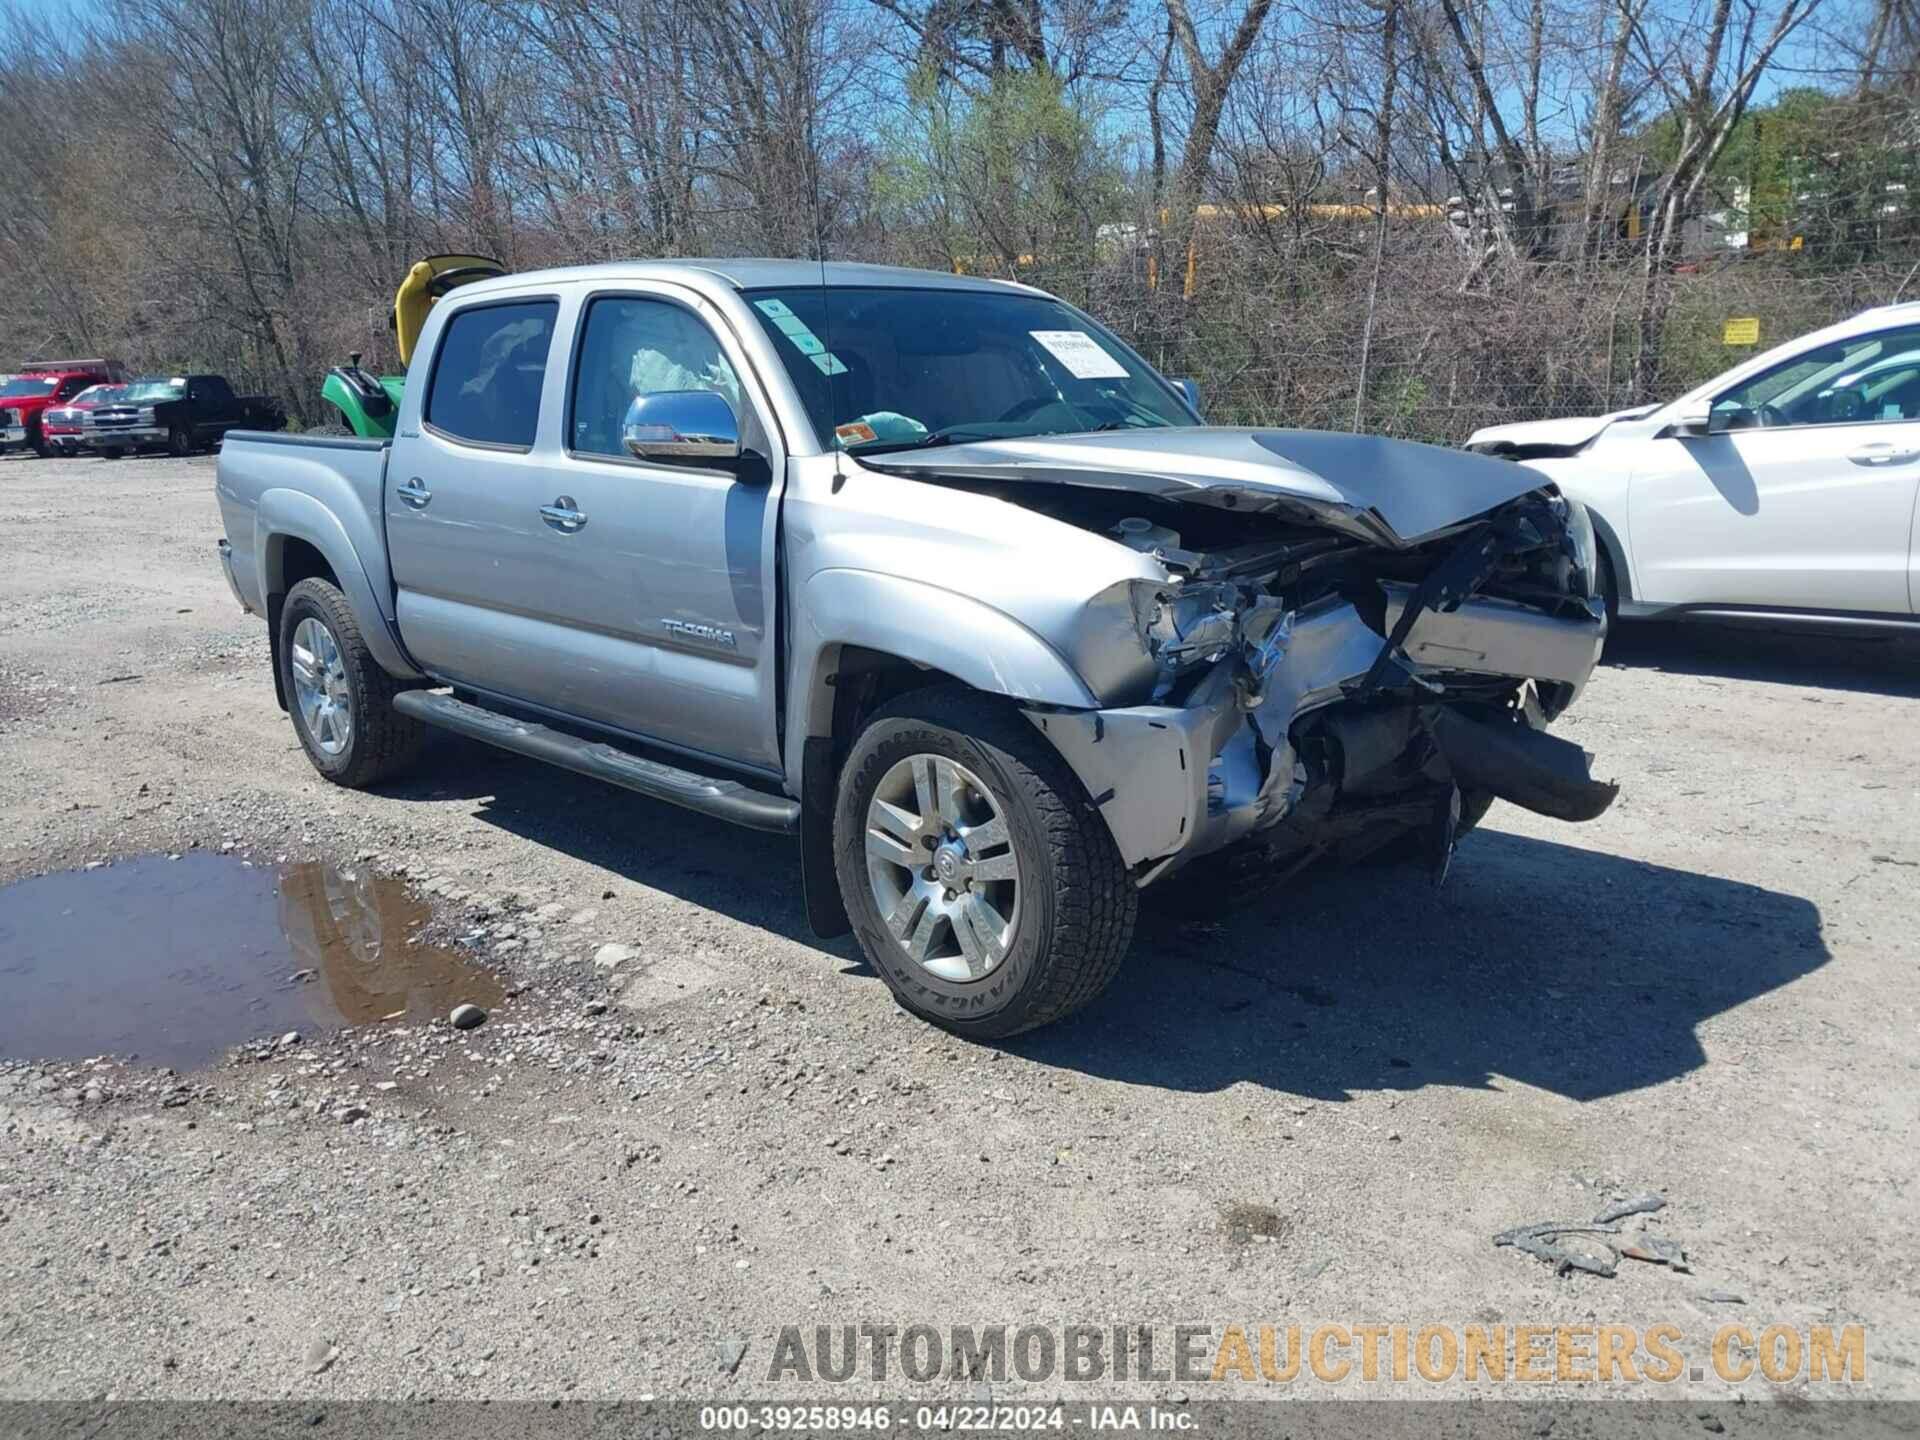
(982, 883)
(179, 441)
(340, 698)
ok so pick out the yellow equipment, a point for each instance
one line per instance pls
(426, 282)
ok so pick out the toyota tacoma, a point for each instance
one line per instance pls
(934, 573)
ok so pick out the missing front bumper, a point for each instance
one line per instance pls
(1175, 782)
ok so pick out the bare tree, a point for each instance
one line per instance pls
(1382, 162)
(1209, 82)
(210, 75)
(1619, 22)
(1708, 66)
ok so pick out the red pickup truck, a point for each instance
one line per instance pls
(25, 398)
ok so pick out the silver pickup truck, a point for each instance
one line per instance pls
(934, 573)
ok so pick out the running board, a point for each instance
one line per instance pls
(724, 799)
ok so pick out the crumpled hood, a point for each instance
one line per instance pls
(1568, 433)
(1397, 492)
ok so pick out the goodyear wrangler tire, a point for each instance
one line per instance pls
(982, 884)
(340, 699)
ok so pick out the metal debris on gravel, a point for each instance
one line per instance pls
(1544, 1241)
(1644, 1204)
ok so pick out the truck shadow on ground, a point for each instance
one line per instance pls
(744, 874)
(1575, 971)
(1877, 664)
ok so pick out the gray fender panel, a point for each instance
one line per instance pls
(291, 515)
(971, 641)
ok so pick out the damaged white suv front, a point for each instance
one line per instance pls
(1346, 643)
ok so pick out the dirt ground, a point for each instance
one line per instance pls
(1318, 1106)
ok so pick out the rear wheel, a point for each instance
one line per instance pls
(982, 883)
(340, 699)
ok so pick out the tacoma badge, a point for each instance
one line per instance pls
(693, 630)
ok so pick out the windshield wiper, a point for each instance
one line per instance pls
(950, 435)
(974, 430)
(953, 434)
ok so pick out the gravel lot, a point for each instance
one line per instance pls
(1315, 1105)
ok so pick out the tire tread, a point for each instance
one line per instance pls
(385, 741)
(1095, 903)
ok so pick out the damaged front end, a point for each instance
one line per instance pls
(1315, 694)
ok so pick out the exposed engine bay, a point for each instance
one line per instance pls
(1339, 695)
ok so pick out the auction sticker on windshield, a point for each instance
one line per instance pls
(802, 339)
(1080, 354)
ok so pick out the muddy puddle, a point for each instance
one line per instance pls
(173, 961)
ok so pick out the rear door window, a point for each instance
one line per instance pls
(487, 376)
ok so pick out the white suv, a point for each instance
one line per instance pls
(1785, 487)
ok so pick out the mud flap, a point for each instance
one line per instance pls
(1528, 767)
(826, 911)
(275, 605)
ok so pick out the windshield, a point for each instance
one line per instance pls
(28, 387)
(890, 369)
(100, 395)
(147, 392)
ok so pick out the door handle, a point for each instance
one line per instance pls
(563, 515)
(1880, 453)
(415, 493)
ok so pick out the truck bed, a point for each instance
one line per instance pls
(322, 491)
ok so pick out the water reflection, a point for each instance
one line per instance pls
(175, 960)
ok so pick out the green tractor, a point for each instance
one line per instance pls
(360, 403)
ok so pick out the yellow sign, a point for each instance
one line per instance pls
(1744, 331)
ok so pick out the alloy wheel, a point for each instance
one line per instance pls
(941, 863)
(320, 686)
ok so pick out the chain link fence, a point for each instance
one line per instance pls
(1295, 329)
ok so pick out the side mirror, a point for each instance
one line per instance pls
(1190, 389)
(681, 425)
(1697, 419)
